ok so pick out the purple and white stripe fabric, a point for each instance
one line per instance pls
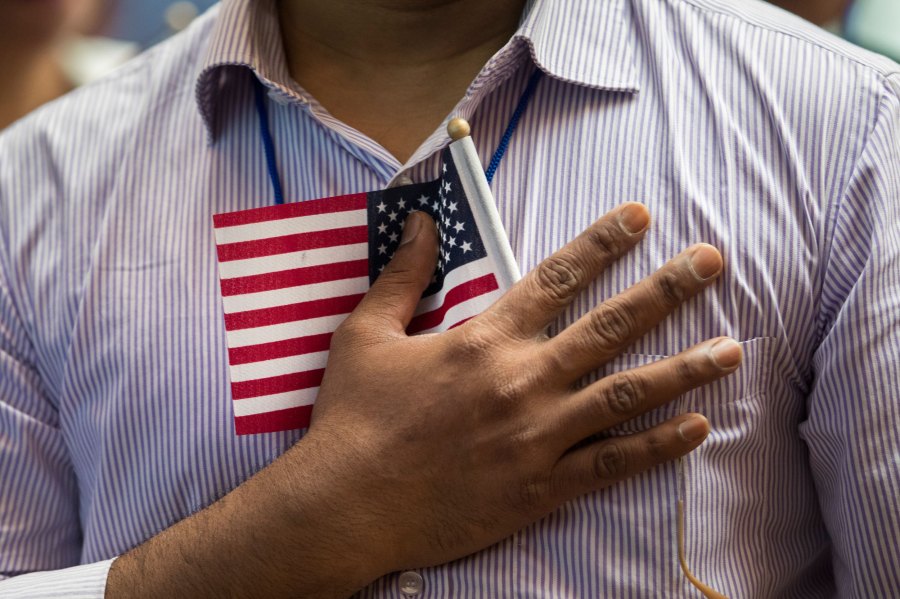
(736, 123)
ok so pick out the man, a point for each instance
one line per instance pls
(734, 123)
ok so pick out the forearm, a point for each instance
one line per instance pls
(261, 540)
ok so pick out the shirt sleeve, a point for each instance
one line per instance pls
(853, 424)
(78, 582)
(40, 529)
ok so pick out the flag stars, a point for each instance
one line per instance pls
(446, 186)
(381, 206)
(452, 207)
(393, 215)
(382, 229)
(459, 226)
(401, 204)
(423, 200)
(466, 247)
(382, 249)
(393, 237)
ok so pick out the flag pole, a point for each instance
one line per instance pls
(481, 200)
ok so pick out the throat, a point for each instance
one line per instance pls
(392, 71)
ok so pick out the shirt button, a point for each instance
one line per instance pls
(402, 180)
(411, 583)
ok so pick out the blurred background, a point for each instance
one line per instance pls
(47, 47)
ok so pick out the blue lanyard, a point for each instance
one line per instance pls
(269, 145)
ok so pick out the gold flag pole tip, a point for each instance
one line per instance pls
(458, 128)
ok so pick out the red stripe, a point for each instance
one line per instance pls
(461, 322)
(356, 201)
(297, 242)
(272, 422)
(457, 295)
(295, 277)
(279, 349)
(277, 384)
(263, 317)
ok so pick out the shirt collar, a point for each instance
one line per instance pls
(585, 42)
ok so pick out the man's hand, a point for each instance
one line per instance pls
(456, 440)
(424, 449)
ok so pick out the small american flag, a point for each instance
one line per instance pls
(290, 274)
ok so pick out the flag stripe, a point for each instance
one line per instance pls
(292, 295)
(242, 373)
(464, 311)
(279, 349)
(272, 403)
(292, 312)
(271, 422)
(454, 278)
(293, 243)
(281, 332)
(277, 384)
(356, 201)
(291, 226)
(285, 262)
(457, 295)
(295, 277)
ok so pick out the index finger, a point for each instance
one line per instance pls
(535, 301)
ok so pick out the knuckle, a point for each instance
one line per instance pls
(532, 493)
(610, 325)
(687, 371)
(625, 395)
(398, 278)
(346, 332)
(609, 462)
(670, 290)
(558, 277)
(607, 238)
(509, 393)
(475, 344)
(657, 447)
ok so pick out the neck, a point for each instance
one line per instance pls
(29, 81)
(393, 69)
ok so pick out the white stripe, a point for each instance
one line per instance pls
(460, 275)
(465, 310)
(290, 226)
(241, 373)
(280, 262)
(271, 403)
(293, 295)
(285, 330)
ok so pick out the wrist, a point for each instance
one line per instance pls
(328, 494)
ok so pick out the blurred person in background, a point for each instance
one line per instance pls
(49, 47)
(820, 12)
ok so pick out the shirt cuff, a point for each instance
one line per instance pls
(87, 581)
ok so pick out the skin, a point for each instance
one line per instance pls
(816, 11)
(355, 58)
(454, 440)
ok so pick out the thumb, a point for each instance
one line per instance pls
(393, 297)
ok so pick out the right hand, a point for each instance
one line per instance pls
(439, 445)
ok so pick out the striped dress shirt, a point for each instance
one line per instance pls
(736, 123)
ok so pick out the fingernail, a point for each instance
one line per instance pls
(706, 262)
(634, 218)
(693, 429)
(726, 353)
(411, 227)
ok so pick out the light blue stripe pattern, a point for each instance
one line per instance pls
(736, 123)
